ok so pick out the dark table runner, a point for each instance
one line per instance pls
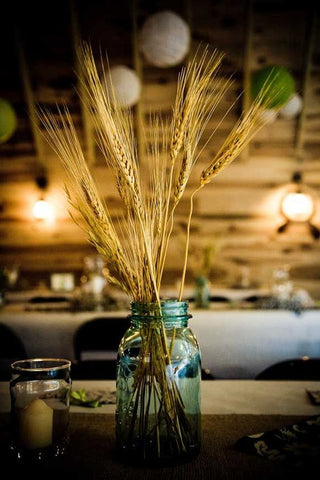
(91, 454)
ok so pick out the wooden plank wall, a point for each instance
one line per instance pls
(238, 213)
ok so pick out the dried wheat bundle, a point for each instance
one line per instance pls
(135, 247)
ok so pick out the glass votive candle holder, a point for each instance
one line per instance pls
(40, 400)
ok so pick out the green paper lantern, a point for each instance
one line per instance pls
(8, 120)
(279, 83)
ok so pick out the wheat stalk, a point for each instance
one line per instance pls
(192, 111)
(113, 125)
(84, 197)
(234, 144)
(245, 129)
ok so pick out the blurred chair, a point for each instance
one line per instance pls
(258, 299)
(219, 298)
(303, 368)
(96, 345)
(252, 298)
(206, 374)
(94, 370)
(11, 349)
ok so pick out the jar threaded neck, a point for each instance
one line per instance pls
(171, 312)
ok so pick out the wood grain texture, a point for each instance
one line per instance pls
(240, 209)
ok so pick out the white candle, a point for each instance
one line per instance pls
(36, 423)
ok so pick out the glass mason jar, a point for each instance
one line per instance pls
(158, 418)
(40, 394)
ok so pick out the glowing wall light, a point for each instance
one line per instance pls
(298, 206)
(42, 209)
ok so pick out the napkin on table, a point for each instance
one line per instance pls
(295, 444)
(314, 396)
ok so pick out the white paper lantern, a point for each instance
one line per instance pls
(124, 84)
(268, 115)
(292, 108)
(164, 39)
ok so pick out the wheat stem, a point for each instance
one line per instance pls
(183, 276)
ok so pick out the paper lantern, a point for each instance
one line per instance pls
(292, 108)
(268, 115)
(278, 83)
(8, 120)
(124, 84)
(164, 39)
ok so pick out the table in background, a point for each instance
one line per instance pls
(233, 343)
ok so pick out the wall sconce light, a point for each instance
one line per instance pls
(298, 206)
(42, 210)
